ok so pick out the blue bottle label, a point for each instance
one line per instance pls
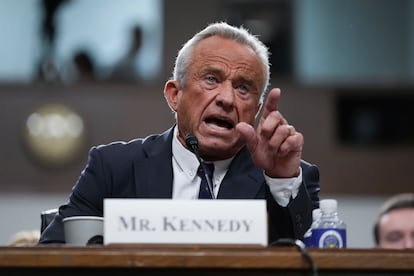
(308, 240)
(329, 238)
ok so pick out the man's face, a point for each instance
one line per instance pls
(396, 229)
(222, 88)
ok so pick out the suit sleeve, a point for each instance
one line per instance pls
(85, 199)
(293, 221)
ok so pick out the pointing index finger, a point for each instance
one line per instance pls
(272, 102)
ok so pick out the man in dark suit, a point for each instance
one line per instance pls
(218, 87)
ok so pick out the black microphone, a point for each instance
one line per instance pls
(192, 144)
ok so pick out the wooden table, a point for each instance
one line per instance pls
(200, 260)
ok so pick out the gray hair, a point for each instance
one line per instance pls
(222, 29)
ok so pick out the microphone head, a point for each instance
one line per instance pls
(191, 142)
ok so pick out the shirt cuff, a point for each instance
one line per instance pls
(283, 189)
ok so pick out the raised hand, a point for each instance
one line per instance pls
(275, 146)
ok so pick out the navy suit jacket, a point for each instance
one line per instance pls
(142, 168)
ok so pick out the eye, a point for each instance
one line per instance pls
(394, 236)
(243, 89)
(210, 79)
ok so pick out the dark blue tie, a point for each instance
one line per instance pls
(204, 191)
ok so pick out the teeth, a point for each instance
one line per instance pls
(213, 125)
(220, 123)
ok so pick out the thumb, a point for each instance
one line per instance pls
(248, 133)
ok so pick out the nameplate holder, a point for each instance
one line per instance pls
(166, 221)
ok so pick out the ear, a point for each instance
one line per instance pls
(171, 94)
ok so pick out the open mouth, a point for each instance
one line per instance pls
(220, 122)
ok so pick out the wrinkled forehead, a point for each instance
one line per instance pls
(230, 53)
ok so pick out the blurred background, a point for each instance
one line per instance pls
(78, 73)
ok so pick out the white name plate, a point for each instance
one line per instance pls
(169, 221)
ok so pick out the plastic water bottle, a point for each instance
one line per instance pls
(316, 214)
(329, 231)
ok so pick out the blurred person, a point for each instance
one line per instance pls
(218, 93)
(84, 67)
(25, 238)
(48, 68)
(126, 68)
(394, 227)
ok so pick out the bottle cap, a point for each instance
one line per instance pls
(328, 205)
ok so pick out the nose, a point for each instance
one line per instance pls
(225, 97)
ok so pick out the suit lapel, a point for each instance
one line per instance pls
(243, 180)
(153, 174)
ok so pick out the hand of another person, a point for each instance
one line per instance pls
(275, 146)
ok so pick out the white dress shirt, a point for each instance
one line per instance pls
(186, 183)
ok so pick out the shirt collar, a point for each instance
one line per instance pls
(186, 160)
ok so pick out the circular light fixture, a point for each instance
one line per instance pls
(54, 135)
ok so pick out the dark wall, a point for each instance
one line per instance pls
(111, 112)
